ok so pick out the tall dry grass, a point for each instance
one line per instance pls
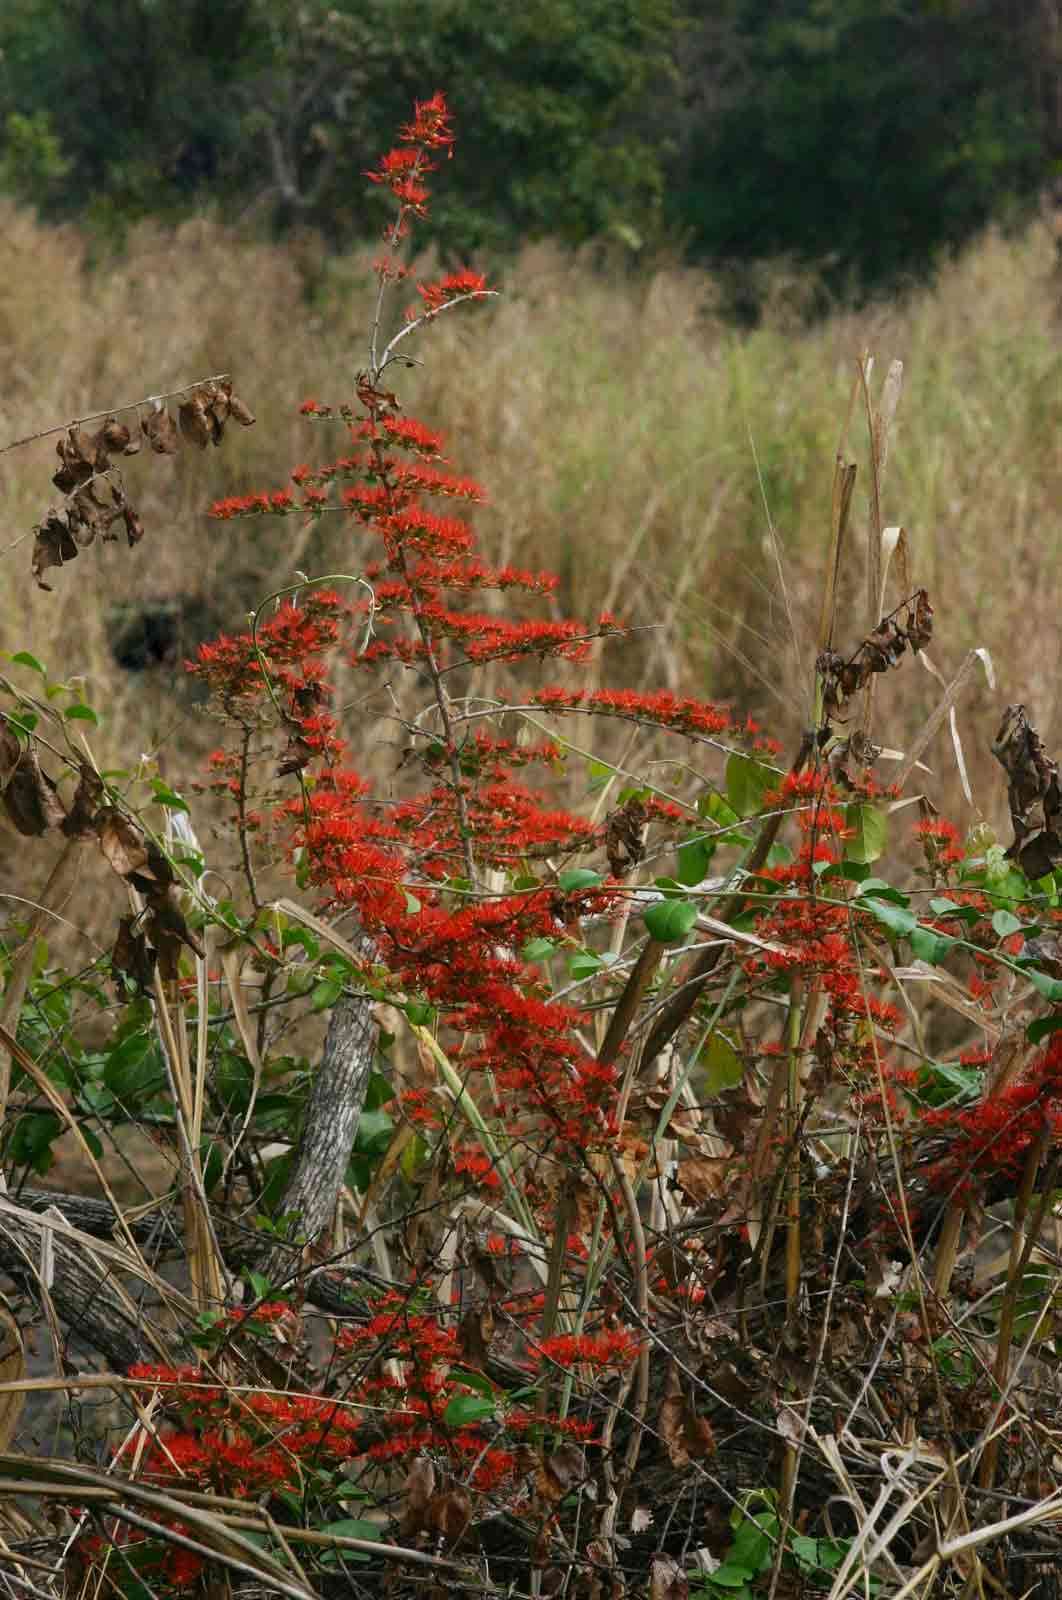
(630, 441)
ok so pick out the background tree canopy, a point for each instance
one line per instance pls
(859, 135)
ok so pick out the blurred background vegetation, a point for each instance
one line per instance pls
(701, 214)
(864, 136)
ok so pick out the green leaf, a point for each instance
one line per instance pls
(575, 878)
(466, 1408)
(134, 1070)
(24, 659)
(670, 920)
(1004, 923)
(538, 949)
(380, 1091)
(326, 993)
(165, 796)
(947, 908)
(355, 1528)
(31, 1142)
(420, 1013)
(80, 713)
(898, 919)
(884, 891)
(693, 859)
(1050, 988)
(747, 781)
(599, 775)
(584, 963)
(475, 1380)
(724, 1069)
(233, 1081)
(868, 831)
(942, 1083)
(91, 1140)
(1042, 1027)
(730, 1576)
(930, 946)
(374, 1133)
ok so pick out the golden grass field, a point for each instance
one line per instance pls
(629, 440)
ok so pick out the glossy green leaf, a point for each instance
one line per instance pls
(670, 920)
(24, 659)
(898, 919)
(466, 1408)
(575, 878)
(930, 946)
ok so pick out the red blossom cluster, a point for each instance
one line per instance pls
(994, 1136)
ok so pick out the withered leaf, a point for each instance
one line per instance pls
(194, 423)
(30, 797)
(295, 756)
(10, 754)
(1033, 794)
(53, 545)
(167, 925)
(123, 846)
(562, 1469)
(243, 414)
(418, 1490)
(475, 1332)
(448, 1514)
(920, 621)
(687, 1437)
(625, 836)
(80, 819)
(160, 430)
(116, 436)
(132, 955)
(667, 1580)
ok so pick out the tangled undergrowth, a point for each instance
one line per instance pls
(654, 1198)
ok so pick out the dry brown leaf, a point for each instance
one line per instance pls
(10, 754)
(132, 955)
(79, 822)
(123, 846)
(243, 414)
(418, 1490)
(196, 426)
(474, 1334)
(30, 797)
(160, 431)
(295, 756)
(559, 1473)
(53, 545)
(687, 1437)
(115, 437)
(448, 1514)
(704, 1178)
(667, 1581)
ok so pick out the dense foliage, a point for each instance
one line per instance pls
(858, 136)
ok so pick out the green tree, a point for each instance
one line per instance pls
(857, 134)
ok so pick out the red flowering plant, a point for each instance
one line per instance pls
(646, 1107)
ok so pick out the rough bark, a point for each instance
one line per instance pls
(85, 1291)
(324, 1149)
